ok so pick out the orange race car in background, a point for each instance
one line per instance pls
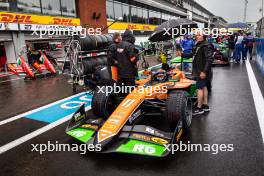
(40, 66)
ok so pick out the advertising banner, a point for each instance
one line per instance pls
(131, 26)
(20, 18)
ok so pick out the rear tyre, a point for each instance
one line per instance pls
(100, 61)
(103, 76)
(89, 66)
(178, 107)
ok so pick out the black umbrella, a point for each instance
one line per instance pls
(171, 29)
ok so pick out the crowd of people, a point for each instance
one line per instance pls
(241, 46)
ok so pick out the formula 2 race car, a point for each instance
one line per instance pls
(40, 67)
(221, 54)
(144, 122)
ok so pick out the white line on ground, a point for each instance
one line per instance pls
(35, 110)
(33, 134)
(257, 96)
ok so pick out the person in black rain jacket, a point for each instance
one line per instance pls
(126, 59)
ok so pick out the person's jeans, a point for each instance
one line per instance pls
(238, 51)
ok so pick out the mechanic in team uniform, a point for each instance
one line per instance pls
(111, 55)
(127, 60)
(202, 72)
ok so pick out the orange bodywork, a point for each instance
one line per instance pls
(122, 113)
(26, 67)
(48, 65)
(38, 67)
(120, 116)
(114, 73)
(15, 69)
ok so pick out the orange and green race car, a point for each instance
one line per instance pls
(155, 114)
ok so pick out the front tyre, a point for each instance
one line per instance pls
(179, 107)
(103, 103)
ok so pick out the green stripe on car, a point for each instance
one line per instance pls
(81, 134)
(179, 60)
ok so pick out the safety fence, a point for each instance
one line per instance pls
(260, 54)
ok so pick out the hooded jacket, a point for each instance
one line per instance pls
(111, 55)
(187, 45)
(203, 59)
(125, 50)
(129, 37)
